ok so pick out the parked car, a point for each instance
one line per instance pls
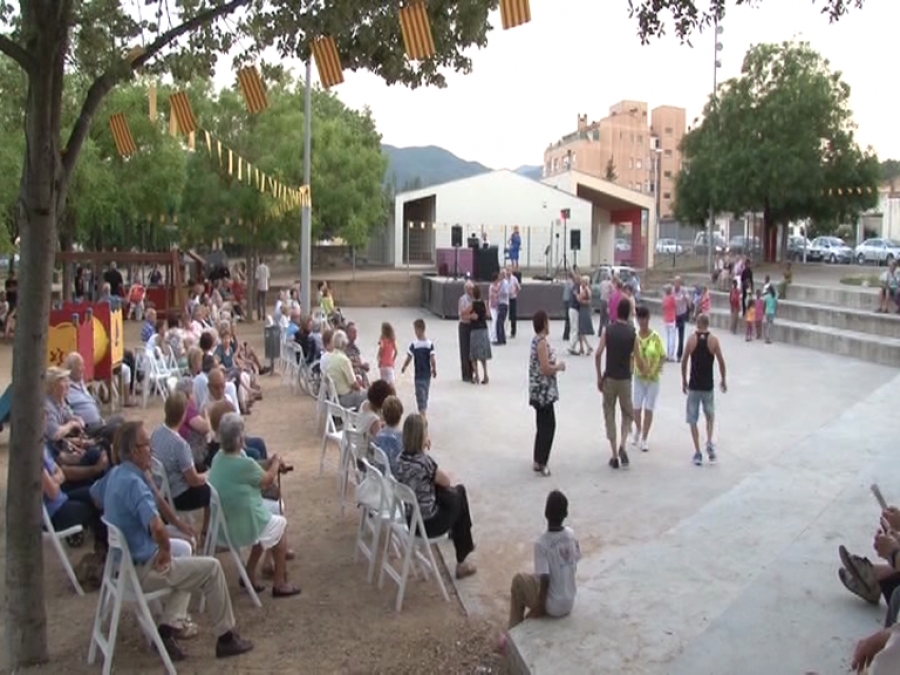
(745, 245)
(796, 247)
(701, 247)
(829, 249)
(628, 275)
(623, 245)
(878, 251)
(669, 247)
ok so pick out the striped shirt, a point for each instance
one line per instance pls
(174, 453)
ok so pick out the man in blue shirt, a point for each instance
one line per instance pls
(130, 505)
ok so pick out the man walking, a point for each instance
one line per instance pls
(620, 343)
(568, 294)
(262, 288)
(465, 331)
(701, 350)
(514, 288)
(682, 311)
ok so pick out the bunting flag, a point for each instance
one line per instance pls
(416, 31)
(181, 109)
(514, 13)
(328, 62)
(122, 135)
(253, 89)
(850, 191)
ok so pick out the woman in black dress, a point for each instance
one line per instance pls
(479, 339)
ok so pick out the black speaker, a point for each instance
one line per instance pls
(456, 236)
(575, 240)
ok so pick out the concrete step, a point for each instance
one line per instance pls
(847, 297)
(867, 347)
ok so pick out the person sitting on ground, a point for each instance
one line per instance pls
(251, 522)
(82, 459)
(390, 437)
(129, 505)
(349, 389)
(83, 405)
(444, 506)
(187, 488)
(371, 409)
(890, 288)
(360, 367)
(551, 589)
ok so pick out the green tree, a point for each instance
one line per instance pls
(774, 141)
(890, 172)
(97, 38)
(611, 174)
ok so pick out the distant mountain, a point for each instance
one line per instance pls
(420, 167)
(532, 172)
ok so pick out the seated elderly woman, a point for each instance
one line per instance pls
(349, 389)
(82, 460)
(239, 481)
(444, 506)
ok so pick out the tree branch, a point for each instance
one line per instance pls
(17, 53)
(120, 70)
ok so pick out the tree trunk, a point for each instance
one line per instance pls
(41, 197)
(251, 283)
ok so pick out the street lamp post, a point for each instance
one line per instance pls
(718, 30)
(306, 213)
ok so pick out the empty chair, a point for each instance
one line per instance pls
(55, 537)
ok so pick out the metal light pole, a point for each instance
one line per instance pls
(306, 213)
(718, 30)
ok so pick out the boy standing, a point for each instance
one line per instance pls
(550, 591)
(421, 353)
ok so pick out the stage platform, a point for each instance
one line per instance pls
(440, 296)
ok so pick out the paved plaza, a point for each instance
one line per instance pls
(720, 569)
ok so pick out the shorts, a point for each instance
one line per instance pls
(697, 398)
(272, 532)
(616, 391)
(644, 395)
(422, 387)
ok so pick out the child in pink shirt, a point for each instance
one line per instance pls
(668, 315)
(387, 352)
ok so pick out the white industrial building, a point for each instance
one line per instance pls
(495, 202)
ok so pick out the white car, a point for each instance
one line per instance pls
(878, 251)
(669, 246)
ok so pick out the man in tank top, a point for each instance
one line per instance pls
(701, 350)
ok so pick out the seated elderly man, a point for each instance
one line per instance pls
(360, 367)
(83, 405)
(216, 386)
(148, 328)
(239, 481)
(349, 389)
(82, 460)
(129, 504)
(188, 488)
(890, 287)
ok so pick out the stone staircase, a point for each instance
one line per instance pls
(834, 320)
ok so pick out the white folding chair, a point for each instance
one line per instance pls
(334, 414)
(375, 506)
(354, 446)
(55, 537)
(156, 375)
(380, 459)
(417, 551)
(121, 585)
(161, 478)
(218, 536)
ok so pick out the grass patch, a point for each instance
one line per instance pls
(870, 281)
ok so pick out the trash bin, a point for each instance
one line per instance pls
(272, 342)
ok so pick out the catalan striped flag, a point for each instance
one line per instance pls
(181, 109)
(122, 135)
(514, 13)
(253, 89)
(328, 62)
(416, 31)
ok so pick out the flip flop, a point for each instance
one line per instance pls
(287, 592)
(259, 588)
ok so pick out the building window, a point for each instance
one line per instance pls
(667, 153)
(638, 164)
(669, 131)
(640, 139)
(667, 195)
(667, 174)
(596, 134)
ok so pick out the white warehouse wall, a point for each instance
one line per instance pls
(496, 200)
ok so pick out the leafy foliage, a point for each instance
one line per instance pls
(611, 173)
(774, 140)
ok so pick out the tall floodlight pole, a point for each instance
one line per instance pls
(712, 211)
(306, 213)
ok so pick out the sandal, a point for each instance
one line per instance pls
(286, 591)
(259, 588)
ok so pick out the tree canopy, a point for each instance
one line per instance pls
(778, 139)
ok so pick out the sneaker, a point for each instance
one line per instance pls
(855, 586)
(636, 438)
(232, 644)
(711, 452)
(614, 462)
(645, 446)
(698, 458)
(623, 457)
(863, 571)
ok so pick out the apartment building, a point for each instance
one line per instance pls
(626, 144)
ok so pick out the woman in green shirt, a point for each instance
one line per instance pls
(239, 480)
(646, 380)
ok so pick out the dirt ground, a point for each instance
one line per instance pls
(340, 624)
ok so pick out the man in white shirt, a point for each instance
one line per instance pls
(550, 591)
(262, 288)
(514, 288)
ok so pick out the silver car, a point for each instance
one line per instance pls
(878, 251)
(669, 246)
(829, 249)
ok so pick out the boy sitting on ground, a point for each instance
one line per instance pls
(550, 591)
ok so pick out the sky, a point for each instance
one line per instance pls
(581, 56)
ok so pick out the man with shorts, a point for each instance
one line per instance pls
(619, 341)
(701, 350)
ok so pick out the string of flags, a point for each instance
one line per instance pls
(850, 191)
